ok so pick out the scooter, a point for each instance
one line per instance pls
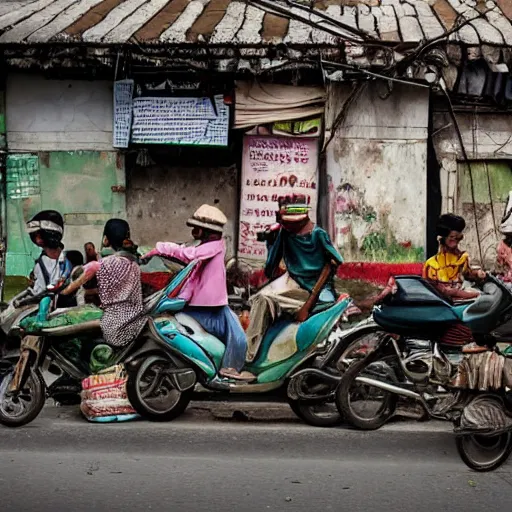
(178, 354)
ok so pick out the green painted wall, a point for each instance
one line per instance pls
(77, 184)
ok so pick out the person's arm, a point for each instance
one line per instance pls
(39, 285)
(186, 254)
(274, 255)
(89, 272)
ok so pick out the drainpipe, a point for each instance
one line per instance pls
(3, 176)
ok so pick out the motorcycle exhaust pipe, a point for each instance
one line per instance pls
(329, 377)
(390, 387)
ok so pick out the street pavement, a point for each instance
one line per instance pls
(238, 457)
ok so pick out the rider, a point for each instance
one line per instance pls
(46, 230)
(306, 249)
(119, 285)
(206, 290)
(450, 266)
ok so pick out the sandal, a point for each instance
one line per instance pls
(231, 373)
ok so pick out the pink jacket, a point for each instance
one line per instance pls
(207, 284)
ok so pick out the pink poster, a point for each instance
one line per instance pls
(273, 167)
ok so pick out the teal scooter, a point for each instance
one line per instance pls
(177, 354)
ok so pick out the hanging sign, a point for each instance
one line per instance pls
(273, 167)
(123, 104)
(180, 121)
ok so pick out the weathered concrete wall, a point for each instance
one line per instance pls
(488, 142)
(160, 198)
(376, 172)
(58, 115)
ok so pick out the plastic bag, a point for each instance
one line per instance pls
(101, 358)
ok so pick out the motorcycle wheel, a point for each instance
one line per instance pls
(156, 401)
(484, 453)
(16, 412)
(349, 389)
(317, 415)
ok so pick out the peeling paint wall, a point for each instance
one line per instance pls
(488, 142)
(78, 185)
(376, 174)
(162, 196)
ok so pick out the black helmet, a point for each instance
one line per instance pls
(449, 222)
(49, 224)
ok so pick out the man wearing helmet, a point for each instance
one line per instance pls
(46, 230)
(206, 290)
(450, 266)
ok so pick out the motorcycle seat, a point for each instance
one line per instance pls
(480, 315)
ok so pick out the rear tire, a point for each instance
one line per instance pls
(494, 449)
(27, 406)
(344, 402)
(162, 402)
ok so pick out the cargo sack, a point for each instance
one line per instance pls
(72, 316)
(104, 398)
(486, 414)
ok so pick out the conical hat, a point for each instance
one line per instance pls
(208, 217)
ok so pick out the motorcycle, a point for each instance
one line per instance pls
(295, 361)
(418, 351)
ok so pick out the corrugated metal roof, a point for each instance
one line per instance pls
(240, 23)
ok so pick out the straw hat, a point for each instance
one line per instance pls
(208, 217)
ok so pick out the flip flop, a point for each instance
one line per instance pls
(233, 374)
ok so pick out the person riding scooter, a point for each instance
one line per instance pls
(206, 291)
(119, 285)
(306, 250)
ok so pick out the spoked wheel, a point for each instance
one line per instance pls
(22, 408)
(152, 392)
(484, 453)
(363, 406)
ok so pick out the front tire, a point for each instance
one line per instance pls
(317, 415)
(484, 453)
(349, 388)
(26, 406)
(156, 400)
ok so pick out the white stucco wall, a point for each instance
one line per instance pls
(58, 115)
(376, 170)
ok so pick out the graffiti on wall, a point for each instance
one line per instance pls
(360, 232)
(273, 167)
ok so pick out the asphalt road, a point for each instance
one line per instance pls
(62, 463)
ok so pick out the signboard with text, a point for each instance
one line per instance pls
(273, 167)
